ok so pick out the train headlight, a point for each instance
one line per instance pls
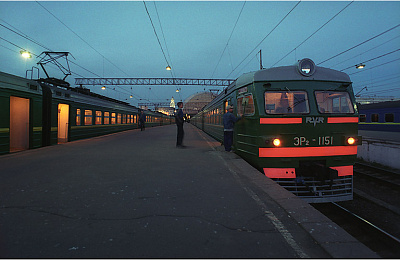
(276, 142)
(351, 140)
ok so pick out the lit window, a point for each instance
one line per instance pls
(286, 102)
(78, 117)
(88, 117)
(98, 117)
(330, 102)
(124, 119)
(119, 119)
(106, 118)
(113, 119)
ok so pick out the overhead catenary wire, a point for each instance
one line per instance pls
(230, 36)
(165, 42)
(373, 59)
(370, 39)
(264, 38)
(155, 32)
(81, 38)
(313, 33)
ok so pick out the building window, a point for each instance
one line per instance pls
(106, 118)
(98, 117)
(88, 117)
(78, 117)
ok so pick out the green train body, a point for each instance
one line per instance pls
(310, 110)
(36, 113)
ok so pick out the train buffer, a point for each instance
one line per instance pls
(133, 194)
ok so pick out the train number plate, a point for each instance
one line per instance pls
(321, 140)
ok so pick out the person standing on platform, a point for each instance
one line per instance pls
(229, 120)
(142, 120)
(179, 120)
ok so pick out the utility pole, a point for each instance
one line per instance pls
(261, 66)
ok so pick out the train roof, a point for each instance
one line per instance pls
(293, 73)
(386, 104)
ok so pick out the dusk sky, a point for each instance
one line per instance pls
(200, 40)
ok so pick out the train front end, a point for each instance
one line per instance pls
(307, 131)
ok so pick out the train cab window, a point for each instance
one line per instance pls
(98, 117)
(374, 117)
(106, 118)
(389, 118)
(363, 118)
(113, 119)
(78, 117)
(88, 117)
(245, 105)
(330, 102)
(286, 102)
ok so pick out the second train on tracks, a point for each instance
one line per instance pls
(299, 127)
(37, 113)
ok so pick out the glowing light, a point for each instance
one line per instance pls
(360, 66)
(103, 87)
(351, 140)
(168, 68)
(131, 96)
(26, 54)
(276, 142)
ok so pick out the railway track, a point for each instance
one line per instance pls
(373, 216)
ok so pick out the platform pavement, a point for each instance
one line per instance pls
(134, 195)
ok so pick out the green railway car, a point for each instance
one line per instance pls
(36, 113)
(299, 127)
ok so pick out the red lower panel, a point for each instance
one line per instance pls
(307, 151)
(344, 170)
(280, 172)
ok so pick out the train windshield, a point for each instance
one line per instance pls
(286, 102)
(334, 102)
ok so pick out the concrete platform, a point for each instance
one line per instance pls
(134, 195)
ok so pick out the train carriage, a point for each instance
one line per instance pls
(20, 114)
(299, 127)
(383, 116)
(36, 113)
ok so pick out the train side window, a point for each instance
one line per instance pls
(124, 119)
(374, 118)
(106, 118)
(88, 117)
(113, 119)
(286, 102)
(334, 102)
(118, 118)
(78, 117)
(245, 105)
(389, 118)
(363, 118)
(98, 117)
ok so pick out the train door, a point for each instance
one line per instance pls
(63, 115)
(19, 124)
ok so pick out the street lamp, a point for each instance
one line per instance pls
(26, 54)
(103, 87)
(360, 66)
(168, 68)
